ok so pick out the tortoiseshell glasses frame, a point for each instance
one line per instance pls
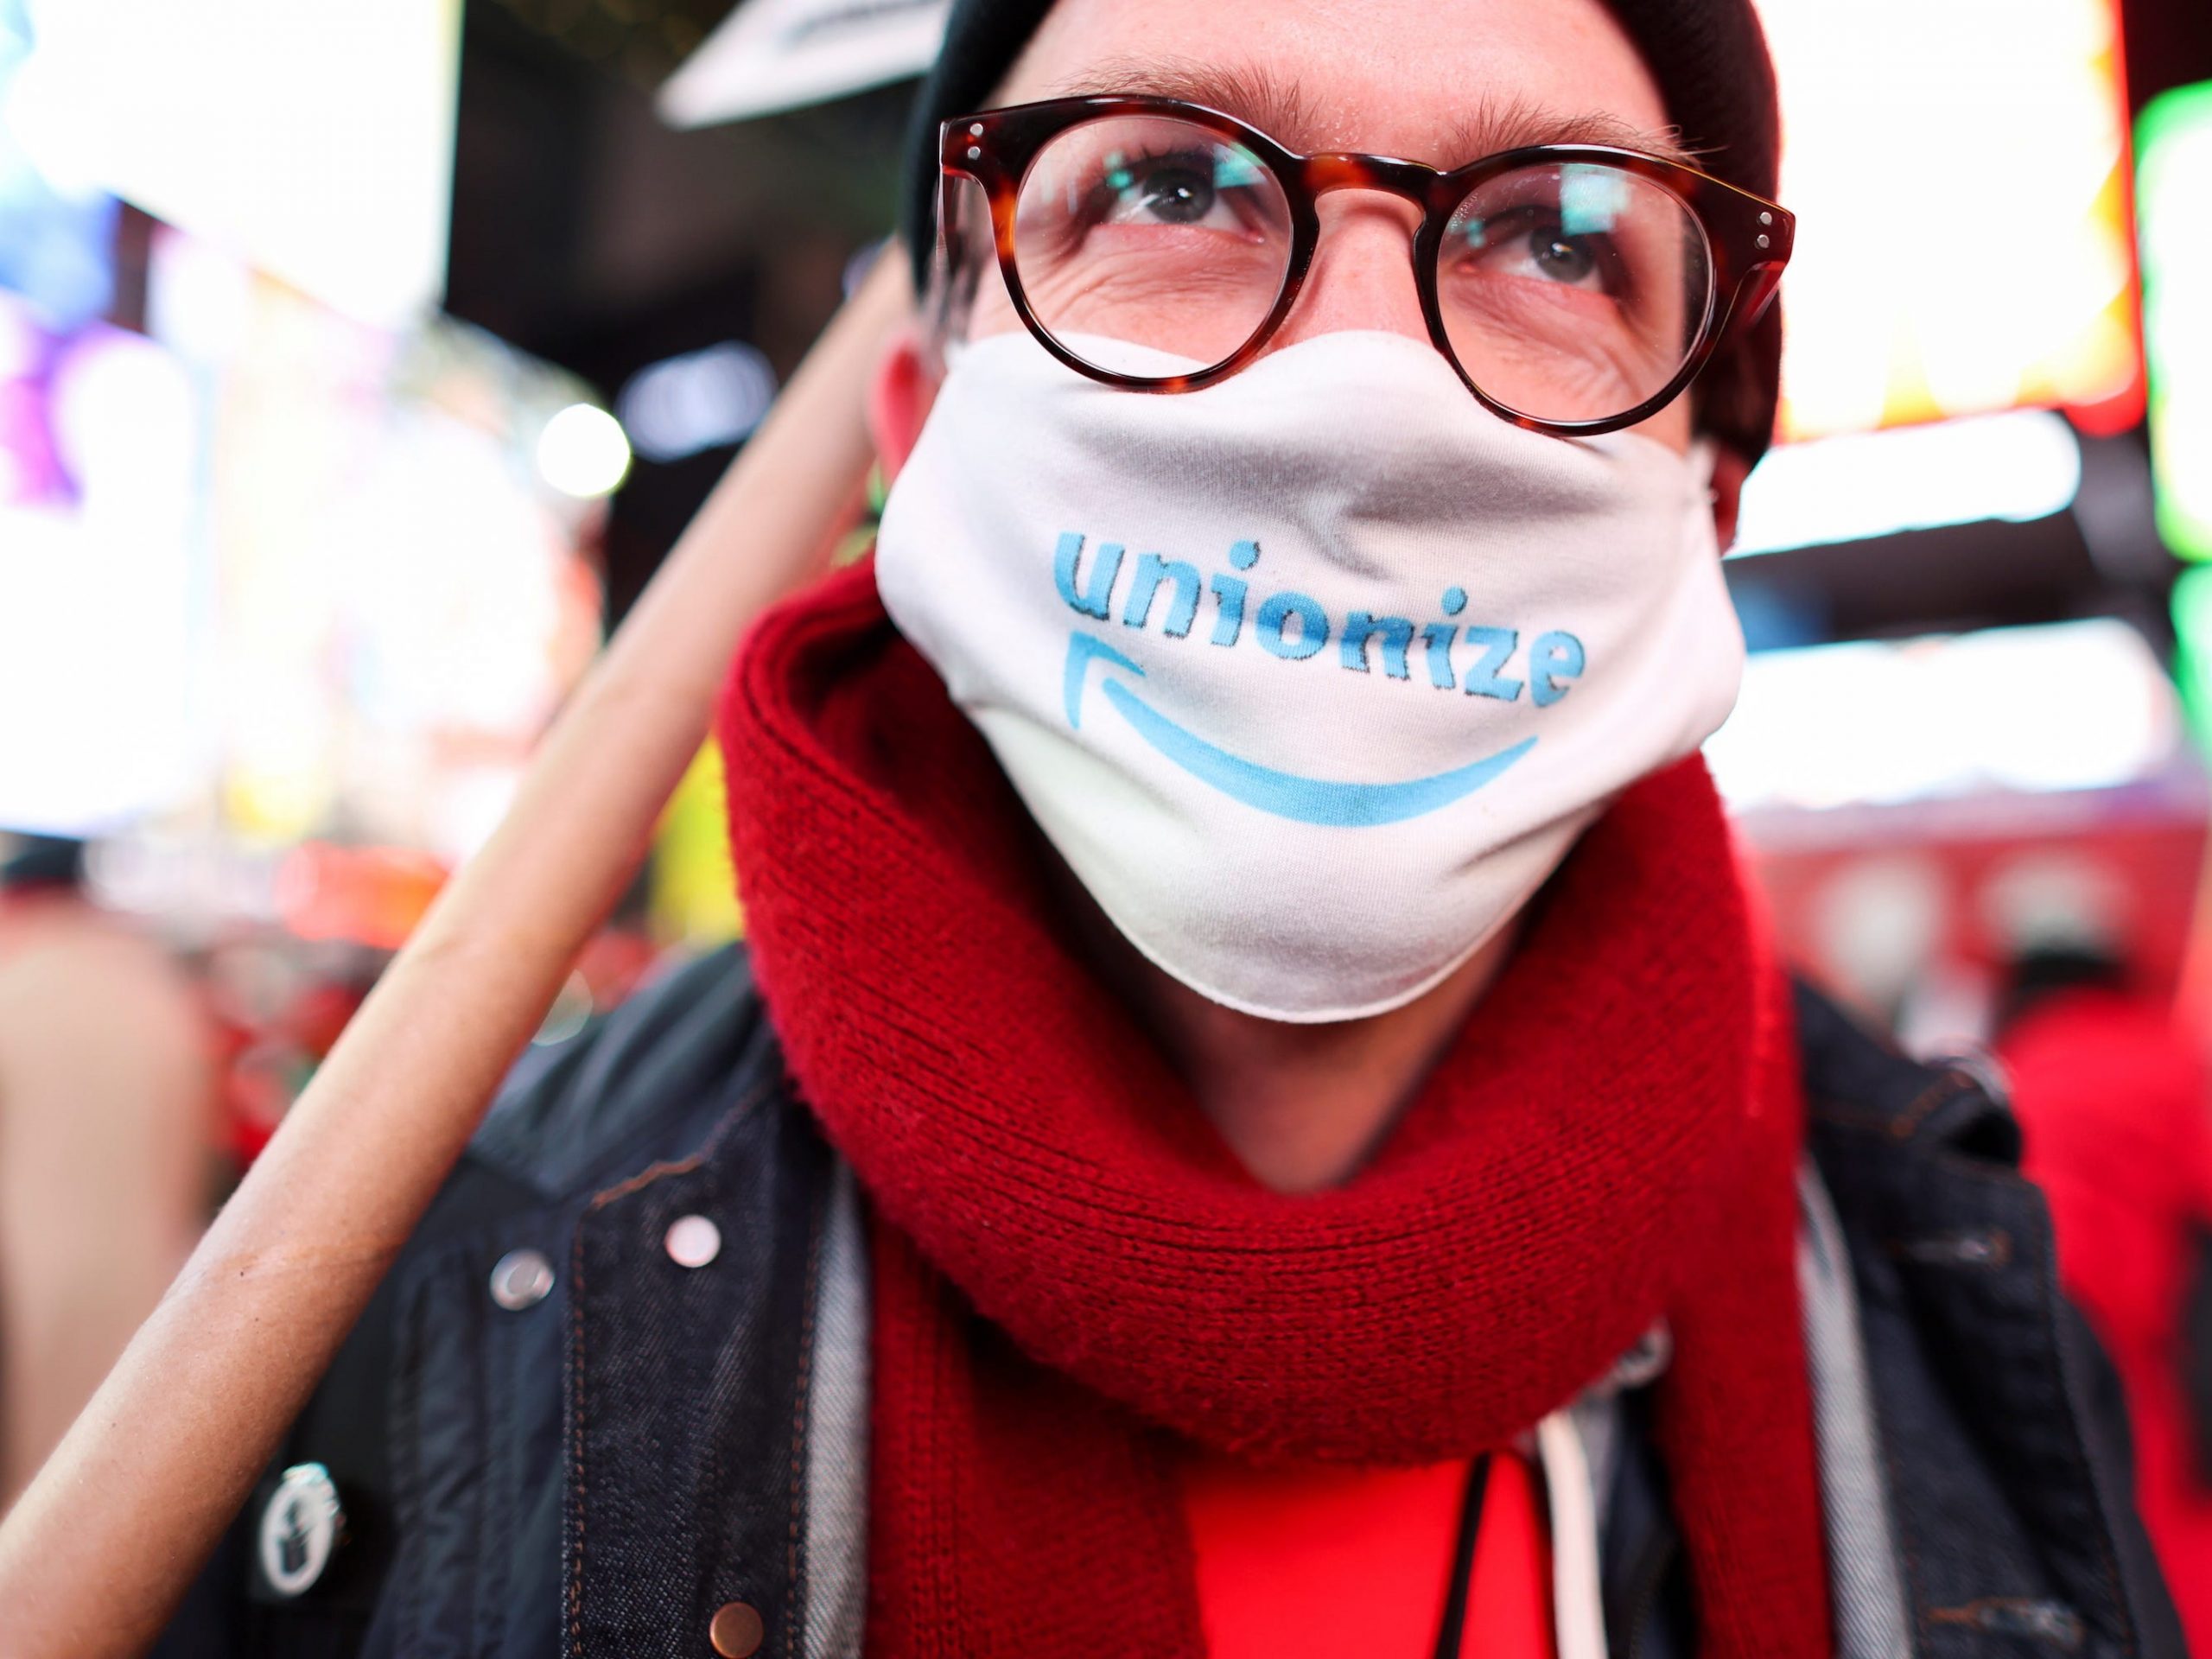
(1747, 238)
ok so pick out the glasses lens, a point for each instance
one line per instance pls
(1138, 236)
(1572, 291)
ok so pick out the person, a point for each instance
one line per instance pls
(2111, 1088)
(105, 1097)
(1256, 1114)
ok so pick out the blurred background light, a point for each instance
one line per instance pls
(316, 140)
(1958, 169)
(56, 242)
(2066, 706)
(97, 631)
(2192, 620)
(700, 400)
(2017, 466)
(2173, 204)
(582, 452)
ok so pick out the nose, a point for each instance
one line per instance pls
(1362, 272)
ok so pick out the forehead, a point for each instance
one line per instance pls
(1441, 81)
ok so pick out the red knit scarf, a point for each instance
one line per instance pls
(1069, 1266)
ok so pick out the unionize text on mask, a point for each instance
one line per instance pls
(1311, 677)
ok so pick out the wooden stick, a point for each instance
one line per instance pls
(96, 1555)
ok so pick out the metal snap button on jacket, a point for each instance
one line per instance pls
(737, 1631)
(300, 1528)
(521, 1279)
(693, 1241)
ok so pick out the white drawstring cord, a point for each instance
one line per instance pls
(1578, 1611)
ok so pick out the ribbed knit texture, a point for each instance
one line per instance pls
(1069, 1265)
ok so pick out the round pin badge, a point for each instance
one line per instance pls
(300, 1528)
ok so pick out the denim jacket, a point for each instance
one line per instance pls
(549, 1434)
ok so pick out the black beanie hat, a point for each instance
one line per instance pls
(1708, 58)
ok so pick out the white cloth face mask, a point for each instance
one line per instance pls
(1311, 677)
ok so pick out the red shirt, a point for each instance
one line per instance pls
(2110, 1089)
(1324, 1560)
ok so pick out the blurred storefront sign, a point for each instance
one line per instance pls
(277, 557)
(2017, 466)
(1923, 812)
(1916, 914)
(401, 598)
(1959, 172)
(313, 142)
(2173, 204)
(2068, 707)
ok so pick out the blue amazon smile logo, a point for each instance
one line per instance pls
(1285, 794)
(1294, 627)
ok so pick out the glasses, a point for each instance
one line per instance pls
(1157, 246)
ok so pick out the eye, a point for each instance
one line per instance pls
(1534, 244)
(1562, 258)
(1206, 189)
(1171, 193)
(1531, 242)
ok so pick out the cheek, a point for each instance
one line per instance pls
(1670, 426)
(992, 312)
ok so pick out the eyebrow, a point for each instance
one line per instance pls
(1281, 108)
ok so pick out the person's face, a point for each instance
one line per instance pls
(1444, 83)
